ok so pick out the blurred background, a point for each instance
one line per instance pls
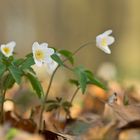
(67, 24)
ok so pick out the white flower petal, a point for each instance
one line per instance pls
(11, 44)
(99, 39)
(105, 49)
(35, 46)
(110, 40)
(108, 32)
(44, 45)
(48, 59)
(50, 51)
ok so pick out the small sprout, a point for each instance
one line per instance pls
(59, 103)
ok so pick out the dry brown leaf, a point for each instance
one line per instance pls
(16, 121)
(106, 132)
(125, 113)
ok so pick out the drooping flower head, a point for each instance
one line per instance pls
(104, 40)
(41, 53)
(8, 49)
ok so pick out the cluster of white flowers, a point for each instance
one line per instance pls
(42, 53)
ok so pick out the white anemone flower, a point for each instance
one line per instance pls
(41, 53)
(104, 40)
(8, 49)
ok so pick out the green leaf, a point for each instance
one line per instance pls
(11, 58)
(89, 74)
(52, 107)
(50, 101)
(16, 73)
(66, 104)
(2, 69)
(29, 55)
(57, 59)
(35, 84)
(58, 99)
(9, 81)
(28, 62)
(68, 55)
(18, 62)
(74, 82)
(82, 78)
(32, 70)
(97, 83)
(1, 55)
(93, 80)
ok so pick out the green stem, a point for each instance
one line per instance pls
(76, 91)
(71, 101)
(45, 98)
(81, 47)
(51, 80)
(68, 67)
(2, 105)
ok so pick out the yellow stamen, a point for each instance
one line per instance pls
(39, 54)
(6, 50)
(104, 42)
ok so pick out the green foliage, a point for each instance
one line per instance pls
(28, 62)
(35, 84)
(85, 77)
(2, 69)
(66, 106)
(57, 104)
(74, 82)
(57, 59)
(92, 80)
(82, 78)
(9, 81)
(15, 72)
(15, 69)
(18, 62)
(68, 55)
